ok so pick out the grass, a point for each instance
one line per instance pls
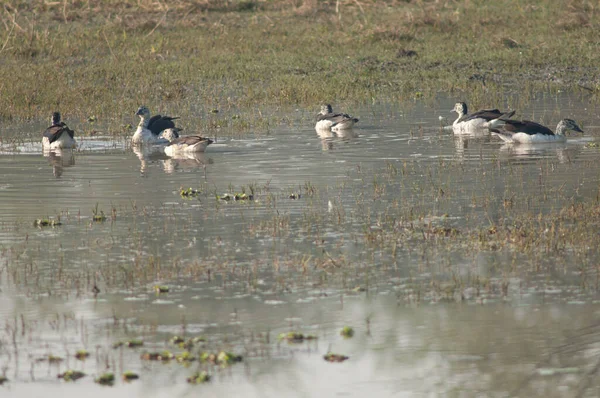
(249, 58)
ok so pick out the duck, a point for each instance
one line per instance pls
(150, 128)
(187, 144)
(483, 119)
(58, 135)
(327, 120)
(528, 132)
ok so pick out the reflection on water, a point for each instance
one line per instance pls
(325, 243)
(59, 159)
(330, 138)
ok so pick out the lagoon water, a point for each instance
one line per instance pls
(240, 273)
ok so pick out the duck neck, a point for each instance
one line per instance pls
(560, 129)
(144, 120)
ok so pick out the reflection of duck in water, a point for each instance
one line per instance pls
(480, 120)
(58, 135)
(59, 160)
(327, 120)
(150, 128)
(148, 154)
(186, 161)
(328, 137)
(527, 132)
(564, 153)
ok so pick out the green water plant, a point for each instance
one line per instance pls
(296, 337)
(129, 376)
(46, 222)
(98, 216)
(331, 357)
(347, 332)
(82, 354)
(106, 379)
(133, 343)
(164, 356)
(71, 375)
(199, 378)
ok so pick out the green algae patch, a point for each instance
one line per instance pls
(82, 354)
(130, 376)
(295, 337)
(199, 378)
(331, 357)
(347, 332)
(106, 379)
(71, 375)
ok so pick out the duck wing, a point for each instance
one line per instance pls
(56, 130)
(527, 127)
(159, 123)
(335, 118)
(486, 114)
(190, 140)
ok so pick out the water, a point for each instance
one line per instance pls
(239, 273)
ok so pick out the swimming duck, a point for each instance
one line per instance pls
(527, 132)
(58, 135)
(187, 144)
(485, 118)
(150, 128)
(326, 119)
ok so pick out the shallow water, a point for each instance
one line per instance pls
(239, 273)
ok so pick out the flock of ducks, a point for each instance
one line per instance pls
(160, 130)
(510, 130)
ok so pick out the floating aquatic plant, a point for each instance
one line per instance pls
(82, 354)
(185, 356)
(161, 289)
(331, 357)
(45, 222)
(129, 343)
(71, 375)
(199, 378)
(235, 197)
(98, 216)
(222, 358)
(158, 356)
(347, 332)
(189, 193)
(295, 337)
(129, 376)
(106, 379)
